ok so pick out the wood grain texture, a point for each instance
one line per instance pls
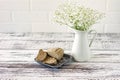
(33, 41)
(18, 50)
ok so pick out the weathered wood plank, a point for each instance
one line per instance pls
(82, 66)
(37, 40)
(26, 72)
(18, 50)
(44, 44)
(36, 36)
(84, 69)
(36, 44)
(33, 72)
(29, 55)
(89, 74)
(58, 78)
(52, 35)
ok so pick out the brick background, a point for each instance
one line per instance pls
(36, 15)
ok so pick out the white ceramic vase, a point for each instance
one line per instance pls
(81, 46)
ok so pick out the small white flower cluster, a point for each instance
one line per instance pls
(76, 16)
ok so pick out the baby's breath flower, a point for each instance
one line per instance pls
(77, 17)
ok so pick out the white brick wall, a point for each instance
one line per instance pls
(35, 15)
(14, 5)
(5, 16)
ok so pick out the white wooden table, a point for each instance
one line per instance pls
(18, 50)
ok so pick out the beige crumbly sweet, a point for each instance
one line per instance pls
(41, 55)
(56, 53)
(50, 60)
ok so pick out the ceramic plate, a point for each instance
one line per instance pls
(66, 59)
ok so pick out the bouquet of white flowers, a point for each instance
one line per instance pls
(76, 16)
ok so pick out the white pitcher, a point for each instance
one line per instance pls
(81, 46)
